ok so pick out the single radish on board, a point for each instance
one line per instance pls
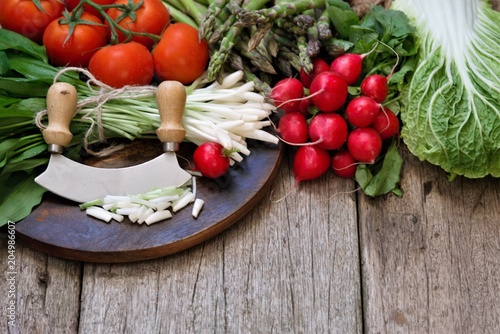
(287, 94)
(292, 128)
(364, 144)
(349, 66)
(386, 123)
(328, 130)
(375, 86)
(319, 65)
(310, 162)
(328, 91)
(210, 159)
(362, 111)
(343, 164)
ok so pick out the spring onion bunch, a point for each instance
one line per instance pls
(228, 112)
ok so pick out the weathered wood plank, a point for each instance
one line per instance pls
(288, 266)
(431, 260)
(47, 292)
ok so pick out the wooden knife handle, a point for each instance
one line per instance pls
(62, 98)
(171, 99)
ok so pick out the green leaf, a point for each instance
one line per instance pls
(389, 24)
(10, 40)
(363, 176)
(386, 179)
(24, 87)
(30, 152)
(35, 69)
(19, 194)
(4, 63)
(6, 149)
(342, 16)
(6, 101)
(24, 165)
(14, 146)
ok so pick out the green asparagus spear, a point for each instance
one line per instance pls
(258, 34)
(209, 18)
(281, 9)
(305, 59)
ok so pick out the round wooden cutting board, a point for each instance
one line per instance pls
(58, 227)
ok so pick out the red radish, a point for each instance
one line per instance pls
(349, 66)
(319, 65)
(329, 131)
(210, 159)
(328, 91)
(304, 105)
(310, 162)
(362, 111)
(376, 87)
(364, 144)
(293, 128)
(285, 90)
(386, 123)
(343, 164)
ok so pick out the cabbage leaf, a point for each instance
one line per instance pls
(451, 107)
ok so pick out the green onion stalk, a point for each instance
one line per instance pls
(230, 112)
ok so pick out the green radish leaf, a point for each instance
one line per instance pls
(363, 176)
(386, 179)
(342, 16)
(391, 25)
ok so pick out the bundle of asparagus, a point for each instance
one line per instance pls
(266, 39)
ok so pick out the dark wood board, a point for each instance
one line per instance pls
(58, 227)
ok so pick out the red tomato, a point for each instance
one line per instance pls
(71, 4)
(123, 64)
(179, 55)
(25, 18)
(80, 47)
(151, 17)
(210, 160)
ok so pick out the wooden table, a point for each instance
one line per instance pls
(325, 259)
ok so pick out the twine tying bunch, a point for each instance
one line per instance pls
(102, 93)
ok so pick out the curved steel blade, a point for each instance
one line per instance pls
(81, 183)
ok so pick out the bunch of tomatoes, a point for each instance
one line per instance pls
(121, 42)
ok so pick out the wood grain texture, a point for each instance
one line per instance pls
(426, 263)
(47, 292)
(431, 260)
(287, 267)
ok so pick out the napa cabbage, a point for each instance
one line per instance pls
(451, 106)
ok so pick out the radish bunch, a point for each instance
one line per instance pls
(331, 128)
